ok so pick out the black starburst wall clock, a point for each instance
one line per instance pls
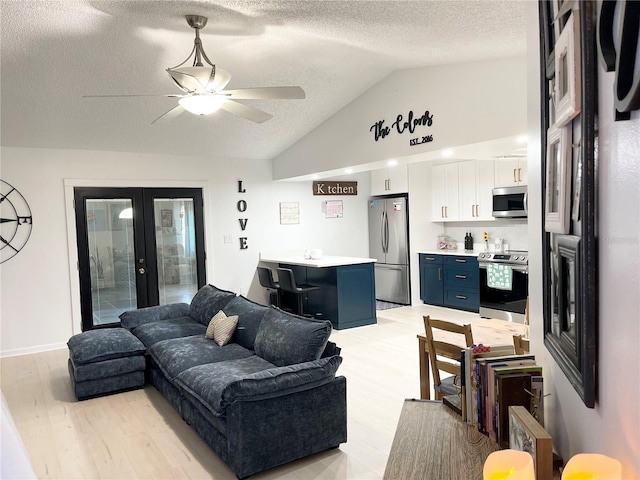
(15, 221)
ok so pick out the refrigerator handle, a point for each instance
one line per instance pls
(382, 230)
(386, 232)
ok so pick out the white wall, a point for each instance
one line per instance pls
(36, 302)
(470, 103)
(613, 426)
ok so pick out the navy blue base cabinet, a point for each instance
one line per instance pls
(431, 279)
(347, 294)
(450, 281)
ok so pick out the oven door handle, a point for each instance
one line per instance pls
(517, 268)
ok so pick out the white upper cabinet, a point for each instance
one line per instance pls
(389, 180)
(510, 172)
(444, 184)
(475, 185)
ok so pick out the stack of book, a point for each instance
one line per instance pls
(493, 379)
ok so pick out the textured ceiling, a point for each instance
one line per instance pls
(54, 52)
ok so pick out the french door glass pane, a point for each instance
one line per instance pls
(111, 258)
(176, 249)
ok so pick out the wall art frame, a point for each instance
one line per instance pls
(567, 91)
(576, 358)
(558, 179)
(527, 435)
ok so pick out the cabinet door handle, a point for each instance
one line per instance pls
(514, 176)
(459, 260)
(446, 214)
(431, 259)
(463, 277)
(439, 273)
(461, 297)
(441, 212)
(477, 211)
(519, 175)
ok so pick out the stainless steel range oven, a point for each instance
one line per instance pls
(504, 285)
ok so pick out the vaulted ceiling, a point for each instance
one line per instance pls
(54, 52)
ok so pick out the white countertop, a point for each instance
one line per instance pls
(460, 253)
(325, 261)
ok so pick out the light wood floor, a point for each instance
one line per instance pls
(139, 435)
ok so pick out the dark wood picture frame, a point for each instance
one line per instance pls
(573, 350)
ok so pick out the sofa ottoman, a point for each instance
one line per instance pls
(105, 361)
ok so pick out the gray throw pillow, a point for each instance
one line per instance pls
(221, 328)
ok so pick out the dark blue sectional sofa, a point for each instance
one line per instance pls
(268, 397)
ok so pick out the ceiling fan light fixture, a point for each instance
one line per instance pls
(200, 79)
(202, 104)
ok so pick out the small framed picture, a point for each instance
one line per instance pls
(567, 69)
(527, 435)
(558, 180)
(166, 218)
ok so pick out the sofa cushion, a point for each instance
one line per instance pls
(103, 344)
(208, 301)
(285, 339)
(176, 355)
(133, 318)
(217, 388)
(153, 332)
(205, 382)
(250, 315)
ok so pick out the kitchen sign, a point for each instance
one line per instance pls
(403, 125)
(335, 188)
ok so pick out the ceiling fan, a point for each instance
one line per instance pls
(203, 87)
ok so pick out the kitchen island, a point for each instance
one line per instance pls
(347, 293)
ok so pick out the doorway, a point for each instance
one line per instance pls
(137, 247)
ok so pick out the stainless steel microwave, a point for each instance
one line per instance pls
(510, 202)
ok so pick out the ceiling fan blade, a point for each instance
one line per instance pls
(170, 115)
(171, 95)
(269, 93)
(245, 111)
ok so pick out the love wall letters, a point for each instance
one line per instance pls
(242, 207)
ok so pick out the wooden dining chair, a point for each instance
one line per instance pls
(445, 356)
(520, 344)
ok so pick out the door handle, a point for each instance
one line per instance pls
(463, 277)
(460, 260)
(514, 176)
(439, 273)
(441, 212)
(519, 175)
(461, 297)
(446, 215)
(142, 271)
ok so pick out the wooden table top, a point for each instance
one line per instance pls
(432, 442)
(490, 331)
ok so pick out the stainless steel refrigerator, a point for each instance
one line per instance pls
(389, 245)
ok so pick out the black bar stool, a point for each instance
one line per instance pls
(265, 276)
(288, 284)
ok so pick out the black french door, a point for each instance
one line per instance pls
(137, 247)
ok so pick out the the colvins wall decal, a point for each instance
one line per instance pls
(402, 125)
(242, 207)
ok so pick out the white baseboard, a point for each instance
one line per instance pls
(29, 350)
